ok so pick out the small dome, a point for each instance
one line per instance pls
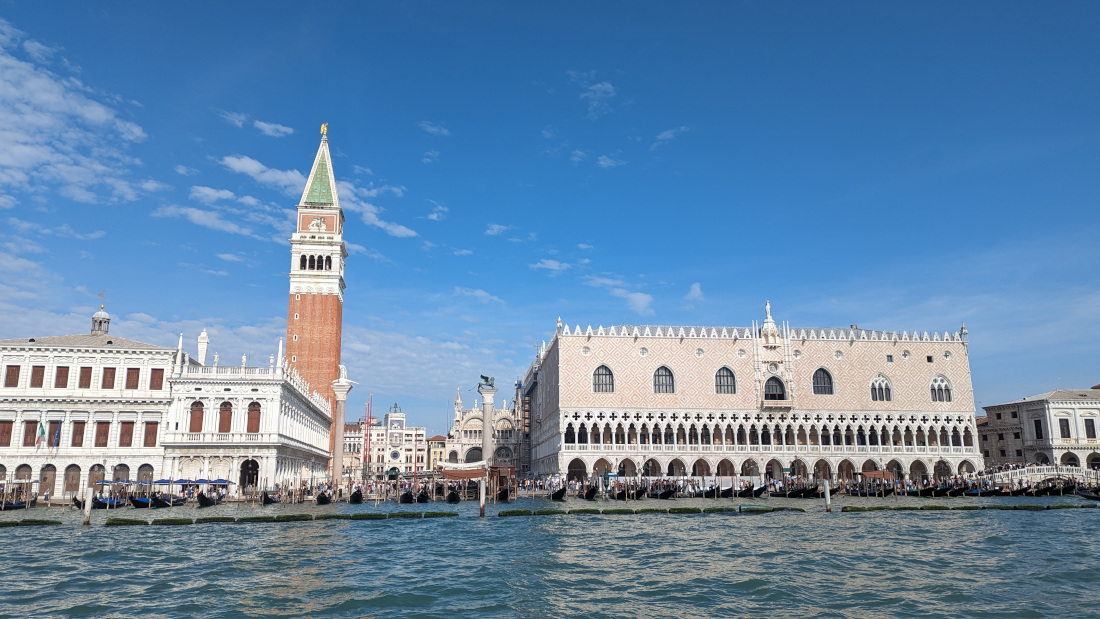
(101, 314)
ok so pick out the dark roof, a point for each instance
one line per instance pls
(83, 341)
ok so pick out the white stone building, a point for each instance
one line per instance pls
(767, 399)
(1056, 427)
(102, 400)
(465, 439)
(394, 449)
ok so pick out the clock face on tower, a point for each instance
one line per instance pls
(395, 454)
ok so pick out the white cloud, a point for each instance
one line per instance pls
(231, 257)
(41, 53)
(605, 162)
(438, 213)
(355, 248)
(209, 195)
(604, 282)
(183, 170)
(236, 119)
(553, 266)
(206, 219)
(549, 133)
(154, 185)
(584, 246)
(639, 302)
(496, 229)
(358, 169)
(7, 202)
(597, 96)
(695, 293)
(290, 182)
(578, 156)
(433, 128)
(430, 156)
(272, 129)
(463, 252)
(668, 135)
(478, 294)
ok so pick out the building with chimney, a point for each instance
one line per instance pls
(1055, 427)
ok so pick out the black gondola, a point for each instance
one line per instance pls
(324, 498)
(356, 497)
(726, 494)
(141, 502)
(502, 494)
(1017, 492)
(558, 495)
(10, 505)
(590, 494)
(789, 494)
(941, 491)
(956, 491)
(406, 497)
(267, 499)
(666, 494)
(423, 497)
(709, 494)
(205, 501)
(452, 497)
(1085, 494)
(173, 502)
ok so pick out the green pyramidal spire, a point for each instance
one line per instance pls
(321, 186)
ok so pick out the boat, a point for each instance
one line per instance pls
(502, 495)
(175, 501)
(108, 503)
(726, 494)
(323, 498)
(557, 495)
(789, 494)
(205, 501)
(423, 497)
(871, 492)
(956, 491)
(141, 502)
(266, 499)
(1017, 492)
(10, 505)
(77, 503)
(710, 493)
(406, 497)
(1085, 494)
(590, 494)
(356, 497)
(666, 494)
(921, 492)
(452, 497)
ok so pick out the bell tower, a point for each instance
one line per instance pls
(315, 316)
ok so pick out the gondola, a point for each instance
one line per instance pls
(789, 494)
(620, 495)
(10, 505)
(666, 494)
(502, 494)
(107, 503)
(726, 494)
(406, 497)
(956, 491)
(77, 503)
(205, 501)
(590, 494)
(814, 493)
(356, 497)
(267, 499)
(921, 492)
(1085, 494)
(175, 501)
(558, 495)
(871, 492)
(452, 497)
(324, 498)
(141, 502)
(423, 497)
(710, 493)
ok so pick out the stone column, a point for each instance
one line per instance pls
(487, 394)
(340, 388)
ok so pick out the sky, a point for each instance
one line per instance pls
(896, 166)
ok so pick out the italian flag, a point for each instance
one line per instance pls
(41, 435)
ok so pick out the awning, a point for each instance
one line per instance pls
(468, 474)
(878, 475)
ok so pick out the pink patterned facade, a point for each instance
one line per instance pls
(658, 400)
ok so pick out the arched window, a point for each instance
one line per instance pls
(302, 263)
(663, 381)
(724, 381)
(225, 418)
(328, 263)
(570, 436)
(196, 417)
(312, 263)
(941, 390)
(823, 382)
(880, 390)
(253, 418)
(603, 381)
(774, 390)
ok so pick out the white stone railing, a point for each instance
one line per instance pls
(702, 447)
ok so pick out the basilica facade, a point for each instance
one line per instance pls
(769, 400)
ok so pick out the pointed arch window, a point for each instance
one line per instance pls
(880, 390)
(663, 382)
(725, 381)
(941, 389)
(774, 389)
(603, 381)
(823, 382)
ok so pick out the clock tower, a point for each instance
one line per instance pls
(315, 316)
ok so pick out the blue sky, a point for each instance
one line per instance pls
(899, 167)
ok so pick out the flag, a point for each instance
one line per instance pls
(41, 435)
(57, 436)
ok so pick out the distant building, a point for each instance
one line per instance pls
(353, 449)
(1056, 427)
(464, 441)
(394, 450)
(768, 399)
(437, 450)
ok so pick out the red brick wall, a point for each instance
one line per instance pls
(317, 350)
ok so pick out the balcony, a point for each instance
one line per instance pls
(776, 404)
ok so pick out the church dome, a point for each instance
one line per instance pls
(101, 313)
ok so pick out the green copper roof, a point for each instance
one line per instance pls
(320, 189)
